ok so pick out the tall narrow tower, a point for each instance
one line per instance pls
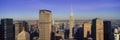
(7, 29)
(45, 23)
(97, 29)
(71, 22)
(87, 30)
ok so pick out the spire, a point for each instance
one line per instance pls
(71, 11)
(71, 21)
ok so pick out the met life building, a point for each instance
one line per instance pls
(45, 23)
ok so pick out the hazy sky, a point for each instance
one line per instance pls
(87, 9)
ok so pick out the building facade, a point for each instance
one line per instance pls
(25, 25)
(87, 30)
(97, 29)
(7, 29)
(18, 29)
(107, 30)
(45, 23)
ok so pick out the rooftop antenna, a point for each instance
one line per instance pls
(71, 9)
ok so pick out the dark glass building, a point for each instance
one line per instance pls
(97, 29)
(107, 30)
(7, 29)
(25, 25)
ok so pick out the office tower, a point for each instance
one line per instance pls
(0, 32)
(107, 30)
(45, 23)
(7, 29)
(79, 33)
(87, 30)
(71, 23)
(33, 30)
(23, 35)
(25, 25)
(18, 29)
(97, 29)
(66, 33)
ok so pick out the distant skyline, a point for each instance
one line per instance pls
(82, 9)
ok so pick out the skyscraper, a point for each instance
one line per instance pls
(7, 29)
(25, 25)
(87, 30)
(97, 29)
(107, 30)
(45, 23)
(0, 32)
(71, 24)
(18, 29)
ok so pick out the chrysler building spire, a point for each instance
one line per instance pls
(71, 25)
(71, 11)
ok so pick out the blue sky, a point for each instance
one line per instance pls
(83, 9)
